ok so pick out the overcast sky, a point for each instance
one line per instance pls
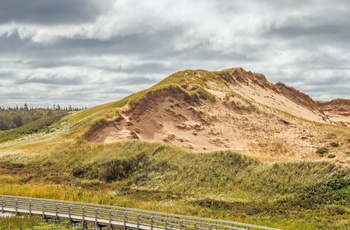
(89, 52)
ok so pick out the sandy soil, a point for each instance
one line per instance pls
(337, 110)
(247, 118)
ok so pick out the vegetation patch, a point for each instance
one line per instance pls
(113, 170)
(40, 125)
(30, 222)
(165, 178)
(206, 95)
(334, 144)
(322, 151)
(335, 191)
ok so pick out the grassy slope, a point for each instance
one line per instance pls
(165, 178)
(289, 195)
(19, 222)
(40, 125)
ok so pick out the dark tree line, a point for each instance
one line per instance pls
(14, 117)
(53, 107)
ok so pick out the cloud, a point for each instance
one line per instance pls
(50, 80)
(49, 13)
(92, 52)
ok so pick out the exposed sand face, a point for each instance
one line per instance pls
(247, 118)
(229, 123)
(337, 110)
(278, 101)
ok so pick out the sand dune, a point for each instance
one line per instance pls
(246, 113)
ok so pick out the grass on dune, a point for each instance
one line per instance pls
(154, 166)
(165, 178)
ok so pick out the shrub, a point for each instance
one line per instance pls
(331, 156)
(331, 192)
(206, 95)
(335, 210)
(322, 151)
(334, 144)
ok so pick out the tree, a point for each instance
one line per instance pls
(5, 121)
(17, 120)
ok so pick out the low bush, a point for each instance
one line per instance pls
(331, 192)
(322, 150)
(334, 144)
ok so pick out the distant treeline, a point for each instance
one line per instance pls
(14, 117)
(53, 107)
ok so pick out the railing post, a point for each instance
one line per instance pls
(151, 222)
(180, 224)
(110, 218)
(16, 204)
(30, 207)
(165, 223)
(83, 213)
(43, 210)
(96, 214)
(2, 204)
(125, 219)
(69, 212)
(57, 210)
(138, 221)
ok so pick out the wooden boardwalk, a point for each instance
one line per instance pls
(113, 216)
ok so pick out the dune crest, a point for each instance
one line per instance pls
(231, 109)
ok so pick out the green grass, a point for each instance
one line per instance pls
(322, 151)
(152, 166)
(41, 125)
(26, 222)
(165, 178)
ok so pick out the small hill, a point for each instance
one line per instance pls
(230, 109)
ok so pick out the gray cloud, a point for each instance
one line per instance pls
(45, 12)
(332, 34)
(86, 52)
(50, 80)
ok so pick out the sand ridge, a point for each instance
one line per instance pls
(250, 116)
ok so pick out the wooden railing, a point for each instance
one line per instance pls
(113, 216)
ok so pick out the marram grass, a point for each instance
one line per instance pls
(160, 177)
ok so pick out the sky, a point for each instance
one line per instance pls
(89, 52)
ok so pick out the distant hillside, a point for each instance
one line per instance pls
(11, 118)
